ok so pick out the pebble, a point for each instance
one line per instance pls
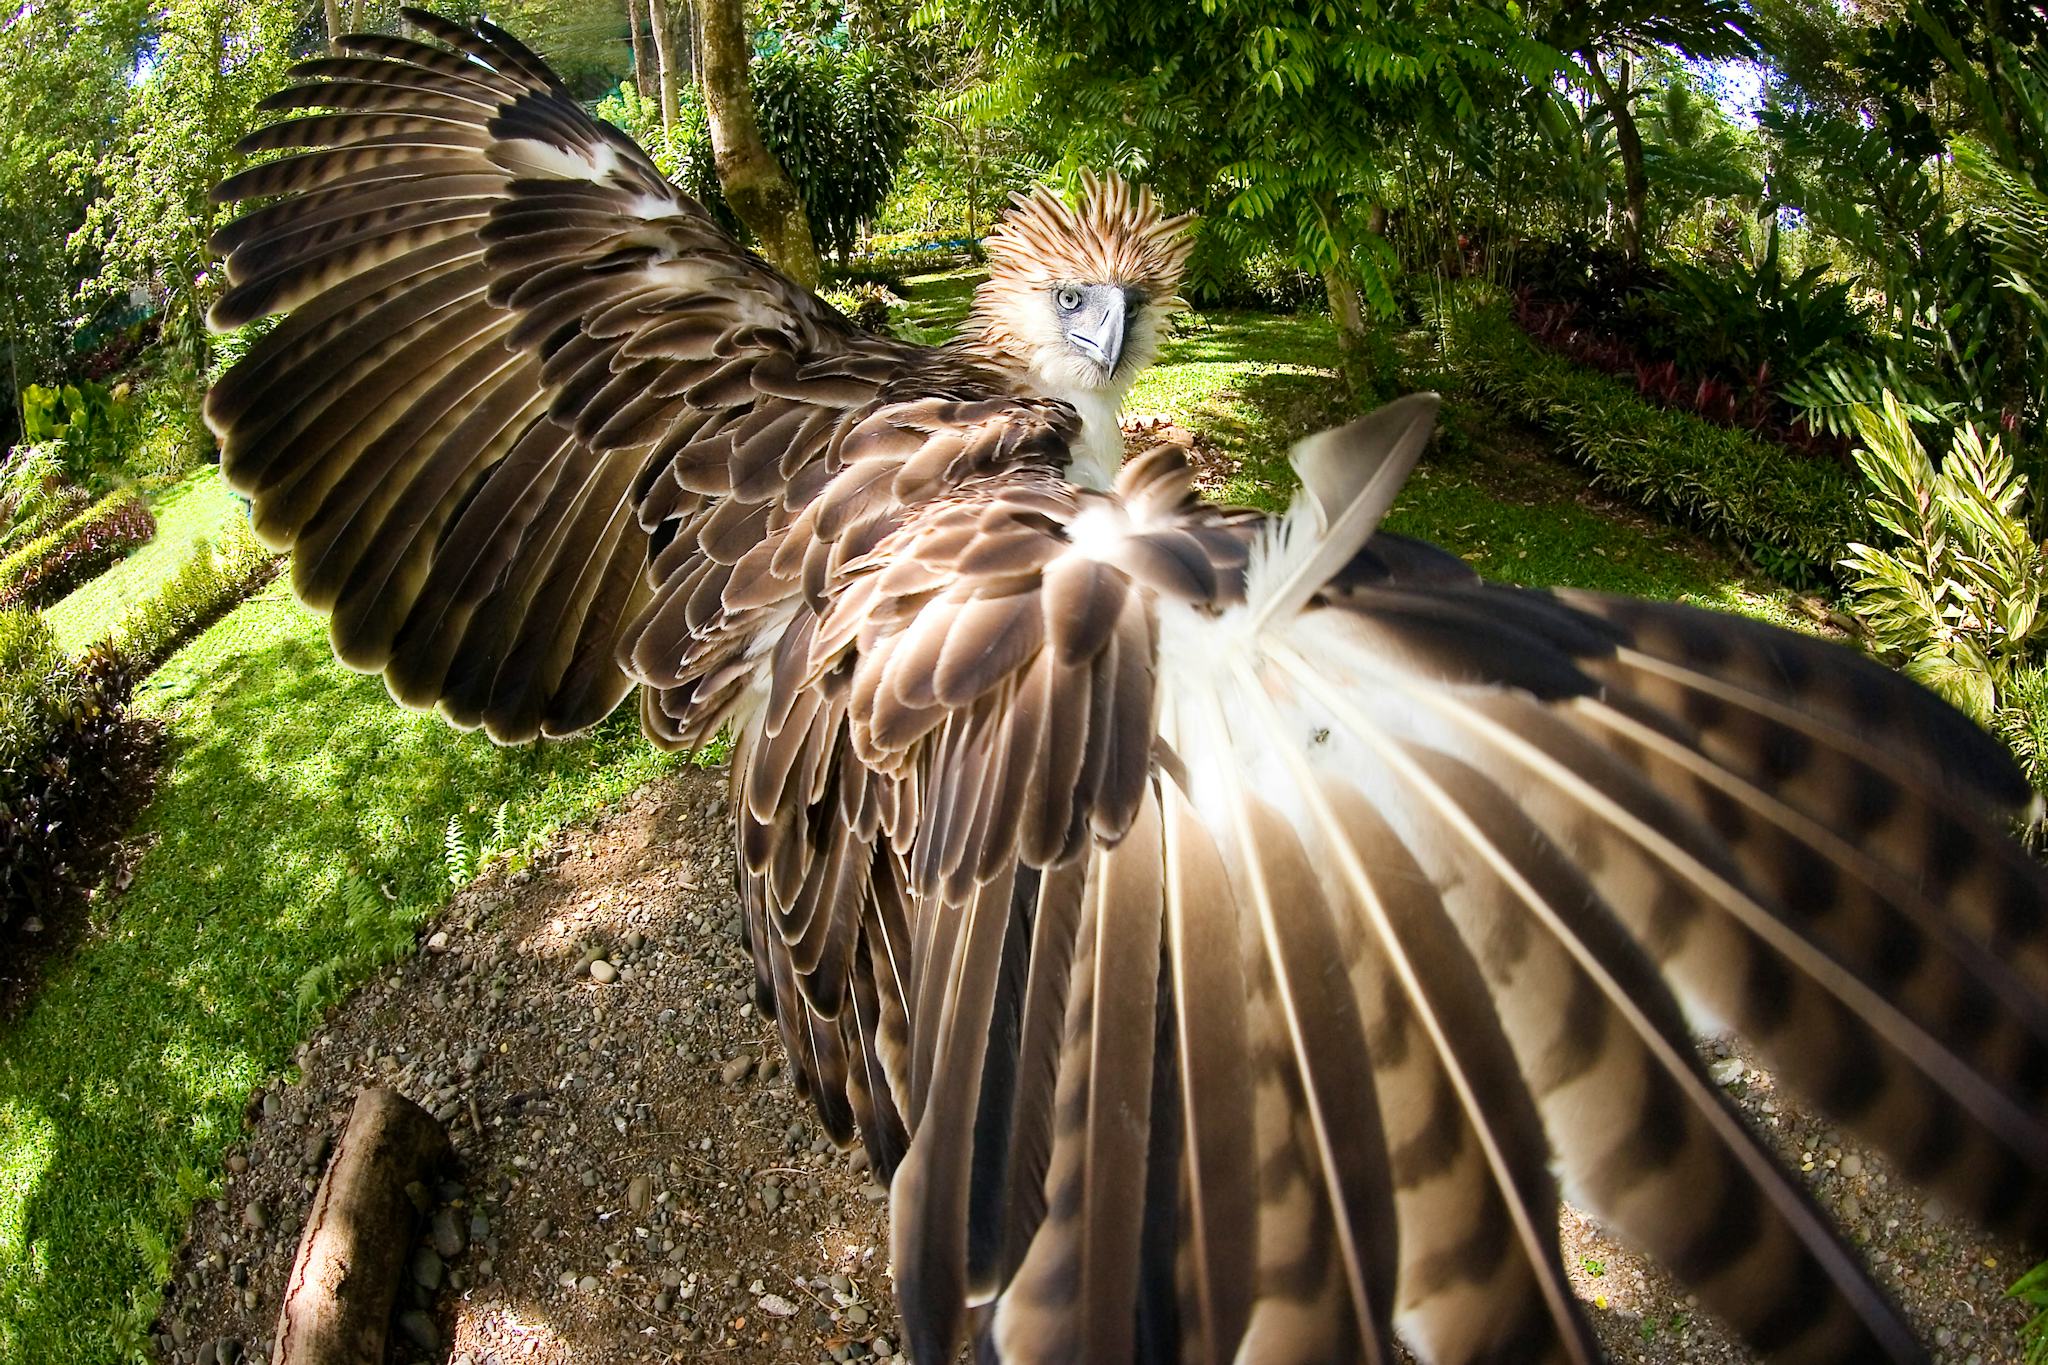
(272, 1105)
(882, 1346)
(237, 1162)
(439, 942)
(776, 1306)
(588, 1284)
(314, 1153)
(447, 1235)
(639, 1193)
(255, 1217)
(603, 973)
(1852, 1164)
(426, 1269)
(420, 1330)
(479, 1227)
(735, 1071)
(543, 1230)
(32, 925)
(1727, 1071)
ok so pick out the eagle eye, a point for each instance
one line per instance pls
(1067, 297)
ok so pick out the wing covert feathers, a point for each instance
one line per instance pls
(1228, 935)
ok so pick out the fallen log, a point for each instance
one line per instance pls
(337, 1303)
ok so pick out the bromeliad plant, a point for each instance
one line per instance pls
(1958, 597)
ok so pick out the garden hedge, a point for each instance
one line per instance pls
(1791, 514)
(52, 564)
(203, 589)
(67, 753)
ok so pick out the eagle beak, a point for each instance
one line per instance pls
(1099, 330)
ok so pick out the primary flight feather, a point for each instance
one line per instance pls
(1226, 933)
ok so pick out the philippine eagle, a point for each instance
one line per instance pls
(1226, 933)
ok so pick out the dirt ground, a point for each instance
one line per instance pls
(639, 1182)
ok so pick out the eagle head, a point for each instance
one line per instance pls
(1076, 294)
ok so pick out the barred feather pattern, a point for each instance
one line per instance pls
(1229, 935)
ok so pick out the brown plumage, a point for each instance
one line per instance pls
(1226, 932)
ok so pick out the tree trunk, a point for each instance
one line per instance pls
(665, 57)
(337, 1303)
(355, 17)
(755, 184)
(332, 9)
(1635, 183)
(1347, 310)
(641, 85)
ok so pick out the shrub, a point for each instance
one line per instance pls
(866, 305)
(54, 563)
(1958, 597)
(43, 516)
(88, 424)
(66, 751)
(1793, 516)
(198, 594)
(34, 494)
(172, 439)
(1226, 274)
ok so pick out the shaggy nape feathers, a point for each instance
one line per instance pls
(1118, 235)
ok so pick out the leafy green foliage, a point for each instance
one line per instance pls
(1739, 321)
(1285, 124)
(866, 303)
(2031, 1289)
(837, 118)
(63, 82)
(34, 495)
(1958, 594)
(1937, 179)
(64, 746)
(840, 121)
(51, 565)
(210, 61)
(1792, 515)
(85, 425)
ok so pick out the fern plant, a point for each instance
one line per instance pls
(1958, 596)
(458, 852)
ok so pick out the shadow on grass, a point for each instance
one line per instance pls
(298, 825)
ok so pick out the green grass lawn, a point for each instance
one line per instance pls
(293, 791)
(193, 509)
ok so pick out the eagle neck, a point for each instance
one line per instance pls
(1100, 451)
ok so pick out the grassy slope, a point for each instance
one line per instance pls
(193, 509)
(288, 780)
(1259, 383)
(291, 781)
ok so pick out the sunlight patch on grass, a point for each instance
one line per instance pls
(298, 824)
(197, 507)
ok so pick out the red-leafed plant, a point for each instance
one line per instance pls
(52, 565)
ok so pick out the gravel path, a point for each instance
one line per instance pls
(639, 1182)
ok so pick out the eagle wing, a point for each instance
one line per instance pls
(1224, 931)
(503, 322)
